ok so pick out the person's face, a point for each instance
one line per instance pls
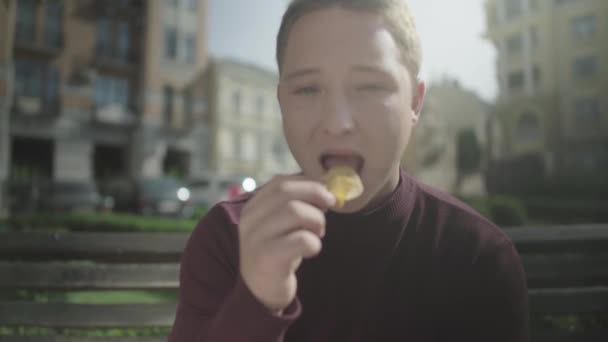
(347, 99)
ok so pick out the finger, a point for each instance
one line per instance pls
(266, 203)
(288, 250)
(291, 216)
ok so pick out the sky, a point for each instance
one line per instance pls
(451, 33)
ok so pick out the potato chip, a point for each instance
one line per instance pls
(344, 183)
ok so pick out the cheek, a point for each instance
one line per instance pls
(297, 127)
(389, 129)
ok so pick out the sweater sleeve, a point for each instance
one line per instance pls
(214, 303)
(498, 302)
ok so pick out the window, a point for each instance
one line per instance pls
(528, 128)
(249, 147)
(27, 78)
(536, 75)
(123, 41)
(533, 5)
(52, 88)
(564, 2)
(586, 67)
(236, 102)
(516, 80)
(37, 80)
(168, 96)
(513, 8)
(226, 143)
(188, 106)
(584, 28)
(113, 39)
(111, 91)
(587, 112)
(515, 43)
(237, 145)
(104, 37)
(53, 23)
(171, 43)
(279, 149)
(190, 47)
(260, 105)
(533, 36)
(26, 20)
(191, 4)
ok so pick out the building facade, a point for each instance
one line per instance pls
(431, 156)
(553, 82)
(245, 122)
(91, 90)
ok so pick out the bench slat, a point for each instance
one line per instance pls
(82, 339)
(566, 270)
(62, 315)
(573, 238)
(124, 247)
(88, 276)
(596, 335)
(569, 300)
(169, 246)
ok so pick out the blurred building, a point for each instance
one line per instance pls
(100, 89)
(245, 122)
(431, 156)
(553, 80)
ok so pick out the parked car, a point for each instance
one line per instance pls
(162, 196)
(71, 196)
(207, 191)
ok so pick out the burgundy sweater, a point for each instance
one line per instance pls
(420, 267)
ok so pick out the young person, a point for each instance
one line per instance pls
(401, 262)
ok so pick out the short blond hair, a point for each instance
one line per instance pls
(397, 14)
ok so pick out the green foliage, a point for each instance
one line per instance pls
(100, 222)
(199, 213)
(38, 331)
(95, 296)
(507, 212)
(503, 211)
(468, 151)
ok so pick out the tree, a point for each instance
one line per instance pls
(468, 155)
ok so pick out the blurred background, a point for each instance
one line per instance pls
(123, 121)
(164, 107)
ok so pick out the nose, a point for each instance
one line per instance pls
(339, 119)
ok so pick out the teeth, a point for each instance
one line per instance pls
(330, 161)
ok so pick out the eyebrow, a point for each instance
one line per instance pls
(314, 71)
(370, 69)
(301, 73)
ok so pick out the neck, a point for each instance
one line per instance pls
(385, 191)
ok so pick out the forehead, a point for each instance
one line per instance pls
(338, 37)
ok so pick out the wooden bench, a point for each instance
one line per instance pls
(567, 269)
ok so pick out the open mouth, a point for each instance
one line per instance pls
(354, 161)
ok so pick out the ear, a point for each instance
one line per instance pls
(418, 101)
(279, 94)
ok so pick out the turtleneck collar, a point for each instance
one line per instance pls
(372, 235)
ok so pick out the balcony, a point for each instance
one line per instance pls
(34, 108)
(114, 115)
(115, 60)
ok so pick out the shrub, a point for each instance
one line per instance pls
(507, 212)
(99, 222)
(503, 211)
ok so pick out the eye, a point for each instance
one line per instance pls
(310, 90)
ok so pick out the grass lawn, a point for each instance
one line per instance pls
(92, 297)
